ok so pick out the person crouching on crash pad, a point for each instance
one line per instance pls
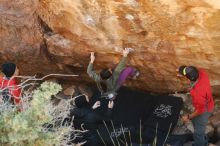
(90, 117)
(11, 93)
(86, 118)
(108, 80)
(202, 101)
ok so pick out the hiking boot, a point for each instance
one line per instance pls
(136, 74)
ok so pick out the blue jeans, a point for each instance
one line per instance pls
(199, 124)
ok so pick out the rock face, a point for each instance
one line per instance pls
(21, 36)
(164, 34)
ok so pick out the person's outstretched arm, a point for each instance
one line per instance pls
(92, 74)
(121, 64)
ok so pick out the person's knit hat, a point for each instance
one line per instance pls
(190, 72)
(81, 101)
(8, 69)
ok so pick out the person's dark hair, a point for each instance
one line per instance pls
(105, 74)
(8, 69)
(192, 73)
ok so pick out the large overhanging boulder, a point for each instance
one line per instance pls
(164, 34)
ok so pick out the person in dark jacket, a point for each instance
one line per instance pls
(202, 101)
(88, 115)
(86, 118)
(109, 81)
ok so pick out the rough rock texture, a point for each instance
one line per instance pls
(164, 34)
(21, 36)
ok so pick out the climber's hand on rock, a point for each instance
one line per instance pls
(126, 52)
(92, 57)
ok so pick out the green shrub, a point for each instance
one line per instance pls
(25, 128)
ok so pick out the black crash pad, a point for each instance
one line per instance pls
(134, 108)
